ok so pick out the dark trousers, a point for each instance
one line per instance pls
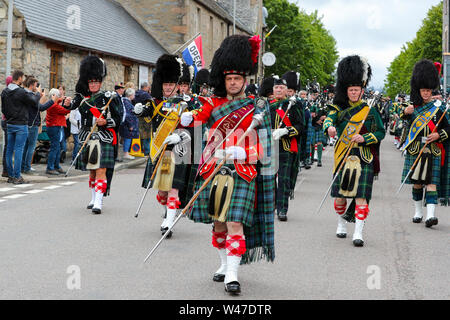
(286, 165)
(5, 135)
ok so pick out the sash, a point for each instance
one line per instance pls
(287, 122)
(353, 126)
(96, 113)
(419, 124)
(229, 122)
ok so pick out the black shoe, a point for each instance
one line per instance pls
(90, 206)
(319, 164)
(218, 277)
(282, 216)
(307, 167)
(5, 174)
(10, 180)
(233, 288)
(358, 243)
(96, 211)
(164, 232)
(19, 181)
(417, 220)
(431, 222)
(341, 235)
(52, 172)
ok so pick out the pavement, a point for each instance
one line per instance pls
(53, 248)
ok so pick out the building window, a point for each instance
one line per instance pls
(198, 21)
(211, 32)
(55, 59)
(127, 74)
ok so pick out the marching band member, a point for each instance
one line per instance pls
(239, 201)
(347, 116)
(431, 171)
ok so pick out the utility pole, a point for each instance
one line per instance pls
(9, 37)
(234, 17)
(446, 46)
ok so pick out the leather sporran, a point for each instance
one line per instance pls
(350, 177)
(93, 155)
(220, 195)
(423, 172)
(166, 170)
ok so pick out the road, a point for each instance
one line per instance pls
(53, 248)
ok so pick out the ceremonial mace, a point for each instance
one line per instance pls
(347, 154)
(111, 96)
(438, 104)
(183, 107)
(255, 123)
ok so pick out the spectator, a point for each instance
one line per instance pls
(130, 85)
(75, 125)
(56, 121)
(130, 128)
(15, 105)
(34, 121)
(5, 136)
(66, 129)
(145, 124)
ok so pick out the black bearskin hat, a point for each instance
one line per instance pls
(352, 71)
(277, 81)
(266, 88)
(91, 68)
(292, 80)
(251, 90)
(169, 69)
(188, 74)
(330, 89)
(202, 77)
(237, 54)
(425, 76)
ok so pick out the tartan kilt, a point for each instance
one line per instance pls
(242, 202)
(435, 168)
(107, 157)
(365, 183)
(319, 136)
(285, 181)
(311, 135)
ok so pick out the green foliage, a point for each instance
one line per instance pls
(426, 45)
(300, 43)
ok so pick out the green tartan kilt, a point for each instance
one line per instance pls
(107, 157)
(319, 136)
(183, 180)
(242, 202)
(364, 187)
(435, 168)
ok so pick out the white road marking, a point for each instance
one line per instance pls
(52, 187)
(69, 183)
(23, 186)
(6, 189)
(15, 196)
(34, 191)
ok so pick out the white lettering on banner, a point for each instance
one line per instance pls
(195, 54)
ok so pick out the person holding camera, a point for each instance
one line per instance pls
(33, 88)
(56, 121)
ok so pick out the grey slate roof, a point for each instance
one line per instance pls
(222, 12)
(105, 26)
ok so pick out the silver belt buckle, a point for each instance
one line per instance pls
(424, 140)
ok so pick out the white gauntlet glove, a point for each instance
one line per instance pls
(138, 108)
(277, 134)
(172, 139)
(236, 153)
(186, 119)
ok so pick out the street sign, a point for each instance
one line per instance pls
(269, 59)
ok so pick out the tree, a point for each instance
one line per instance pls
(426, 45)
(300, 43)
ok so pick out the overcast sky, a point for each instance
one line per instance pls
(376, 29)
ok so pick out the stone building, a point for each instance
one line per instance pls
(174, 22)
(51, 37)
